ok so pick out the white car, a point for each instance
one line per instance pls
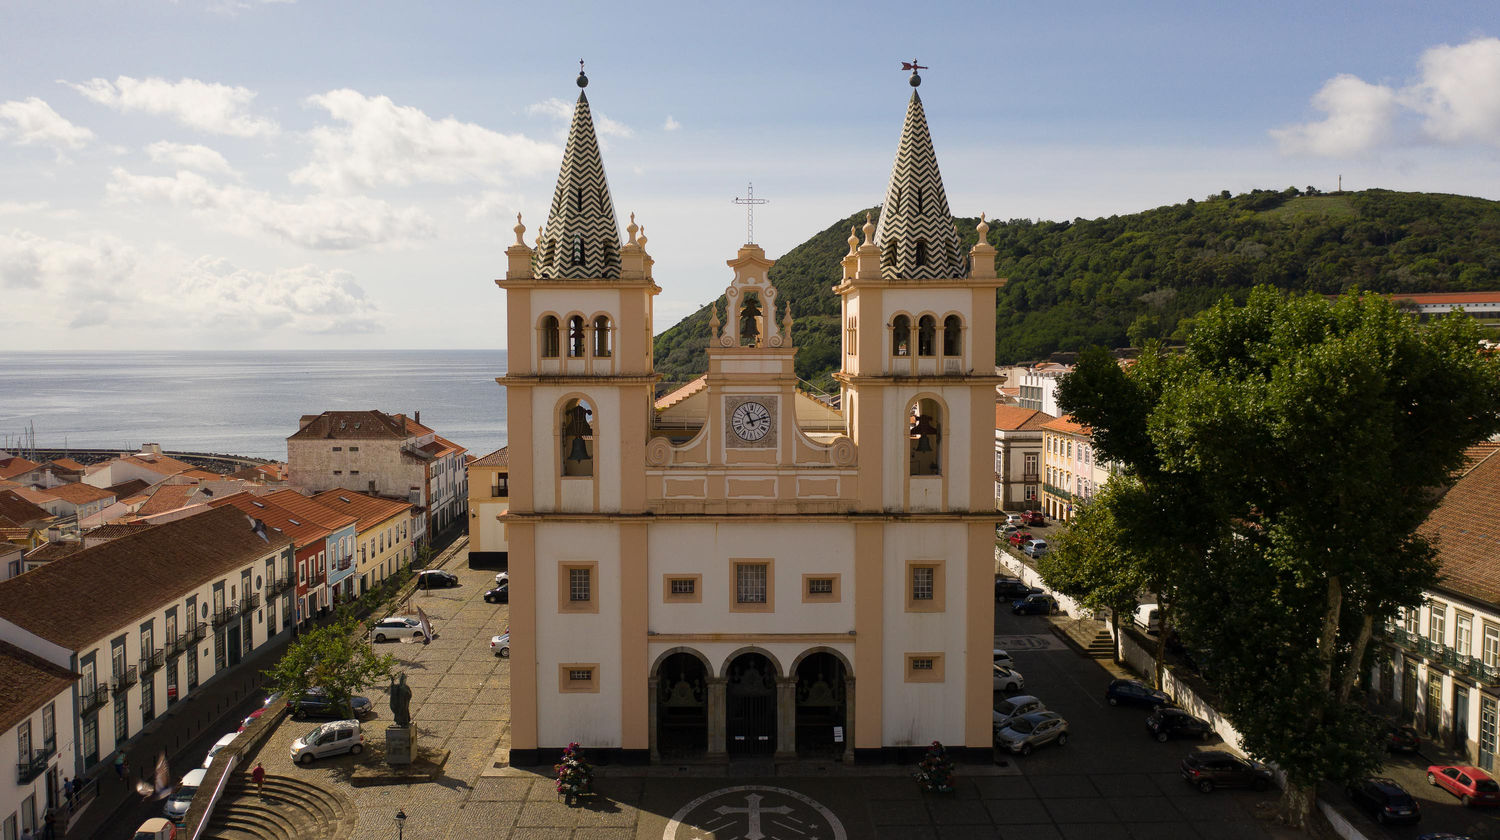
(502, 577)
(1008, 679)
(177, 804)
(218, 745)
(1003, 658)
(1035, 548)
(397, 627)
(335, 737)
(500, 645)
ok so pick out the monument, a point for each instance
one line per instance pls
(400, 736)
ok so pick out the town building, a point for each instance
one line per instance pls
(383, 530)
(1439, 664)
(307, 587)
(1018, 457)
(389, 455)
(164, 611)
(747, 585)
(342, 531)
(15, 468)
(489, 498)
(1074, 470)
(72, 501)
(148, 465)
(36, 698)
(1037, 384)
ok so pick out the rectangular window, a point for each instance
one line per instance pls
(1411, 619)
(821, 588)
(354, 449)
(338, 472)
(90, 739)
(1463, 634)
(578, 678)
(924, 667)
(577, 585)
(23, 740)
(338, 449)
(682, 589)
(924, 586)
(49, 724)
(1030, 493)
(1492, 645)
(354, 472)
(1437, 622)
(753, 587)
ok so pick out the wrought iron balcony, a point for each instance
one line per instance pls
(155, 659)
(1030, 478)
(279, 585)
(196, 633)
(226, 615)
(250, 602)
(124, 680)
(1058, 492)
(29, 770)
(92, 700)
(1441, 654)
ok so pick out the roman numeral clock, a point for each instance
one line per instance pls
(751, 422)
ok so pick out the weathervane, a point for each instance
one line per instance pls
(913, 66)
(749, 204)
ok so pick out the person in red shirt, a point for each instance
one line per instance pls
(258, 775)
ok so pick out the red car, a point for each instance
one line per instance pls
(1019, 537)
(1033, 517)
(251, 719)
(1471, 785)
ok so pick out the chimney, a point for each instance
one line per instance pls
(153, 448)
(418, 416)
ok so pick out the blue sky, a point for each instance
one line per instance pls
(243, 174)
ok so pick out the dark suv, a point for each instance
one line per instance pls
(315, 703)
(1013, 589)
(1384, 800)
(1175, 723)
(1216, 768)
(1134, 693)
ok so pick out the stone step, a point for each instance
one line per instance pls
(289, 807)
(245, 826)
(285, 821)
(302, 795)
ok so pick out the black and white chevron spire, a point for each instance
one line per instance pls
(581, 239)
(916, 233)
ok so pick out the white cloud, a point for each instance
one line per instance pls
(320, 222)
(1456, 95)
(560, 110)
(1459, 92)
(380, 142)
(671, 124)
(33, 122)
(189, 156)
(493, 204)
(206, 106)
(77, 282)
(22, 208)
(1360, 117)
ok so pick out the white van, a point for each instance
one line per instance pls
(177, 804)
(1148, 618)
(335, 737)
(218, 745)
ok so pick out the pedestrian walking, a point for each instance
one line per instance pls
(26, 834)
(120, 765)
(68, 793)
(258, 775)
(49, 825)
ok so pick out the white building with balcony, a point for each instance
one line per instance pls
(34, 738)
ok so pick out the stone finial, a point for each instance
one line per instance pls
(631, 229)
(984, 229)
(853, 239)
(541, 233)
(713, 321)
(519, 229)
(786, 321)
(869, 230)
(642, 241)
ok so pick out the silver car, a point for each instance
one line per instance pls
(1008, 679)
(1027, 732)
(335, 737)
(1014, 707)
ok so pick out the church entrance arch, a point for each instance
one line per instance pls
(681, 706)
(822, 705)
(750, 698)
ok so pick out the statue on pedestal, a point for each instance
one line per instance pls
(401, 701)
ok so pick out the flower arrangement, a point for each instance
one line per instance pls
(575, 776)
(935, 770)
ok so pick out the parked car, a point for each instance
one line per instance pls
(397, 627)
(1471, 785)
(1384, 800)
(1215, 769)
(1401, 738)
(182, 796)
(1006, 530)
(500, 645)
(1018, 538)
(1008, 679)
(1033, 517)
(1027, 732)
(1035, 548)
(219, 745)
(156, 828)
(1014, 707)
(249, 719)
(1003, 658)
(316, 703)
(498, 595)
(1134, 693)
(1012, 589)
(436, 579)
(332, 738)
(1166, 723)
(1034, 604)
(502, 578)
(1148, 618)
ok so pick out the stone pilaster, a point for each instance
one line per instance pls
(651, 685)
(848, 720)
(786, 718)
(717, 718)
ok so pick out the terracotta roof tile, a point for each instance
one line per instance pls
(352, 425)
(54, 551)
(126, 578)
(115, 530)
(161, 464)
(499, 458)
(369, 511)
(126, 489)
(14, 466)
(79, 494)
(677, 396)
(1466, 528)
(1066, 424)
(69, 464)
(1014, 418)
(1454, 298)
(22, 511)
(310, 510)
(27, 683)
(167, 497)
(302, 531)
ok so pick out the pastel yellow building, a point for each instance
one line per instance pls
(383, 533)
(742, 569)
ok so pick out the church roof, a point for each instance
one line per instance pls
(583, 212)
(916, 209)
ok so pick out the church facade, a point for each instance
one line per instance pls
(739, 567)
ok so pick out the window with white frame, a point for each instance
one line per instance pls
(1491, 646)
(1437, 622)
(1463, 634)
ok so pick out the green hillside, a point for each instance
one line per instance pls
(1122, 280)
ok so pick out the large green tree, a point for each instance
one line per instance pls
(336, 658)
(1304, 437)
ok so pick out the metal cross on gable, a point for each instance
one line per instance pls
(750, 204)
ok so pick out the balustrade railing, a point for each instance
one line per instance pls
(28, 770)
(124, 679)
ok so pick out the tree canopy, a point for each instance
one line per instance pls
(336, 658)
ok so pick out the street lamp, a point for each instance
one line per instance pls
(400, 824)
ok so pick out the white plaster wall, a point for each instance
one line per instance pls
(919, 713)
(606, 423)
(958, 438)
(718, 653)
(592, 719)
(12, 792)
(491, 529)
(707, 549)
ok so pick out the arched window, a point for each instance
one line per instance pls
(925, 438)
(601, 337)
(921, 253)
(576, 343)
(901, 336)
(578, 199)
(577, 249)
(752, 320)
(953, 330)
(577, 439)
(551, 338)
(927, 336)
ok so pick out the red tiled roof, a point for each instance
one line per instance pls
(115, 530)
(1454, 298)
(78, 494)
(126, 489)
(369, 511)
(167, 497)
(68, 464)
(499, 458)
(677, 396)
(1066, 424)
(27, 683)
(352, 425)
(162, 464)
(54, 550)
(1014, 418)
(18, 509)
(127, 578)
(1466, 528)
(14, 466)
(309, 510)
(36, 497)
(302, 531)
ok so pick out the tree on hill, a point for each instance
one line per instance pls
(1314, 431)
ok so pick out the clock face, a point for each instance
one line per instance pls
(751, 421)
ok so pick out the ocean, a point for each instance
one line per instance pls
(242, 402)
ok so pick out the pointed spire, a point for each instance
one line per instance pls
(916, 234)
(582, 238)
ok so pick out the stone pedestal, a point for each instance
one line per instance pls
(400, 745)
